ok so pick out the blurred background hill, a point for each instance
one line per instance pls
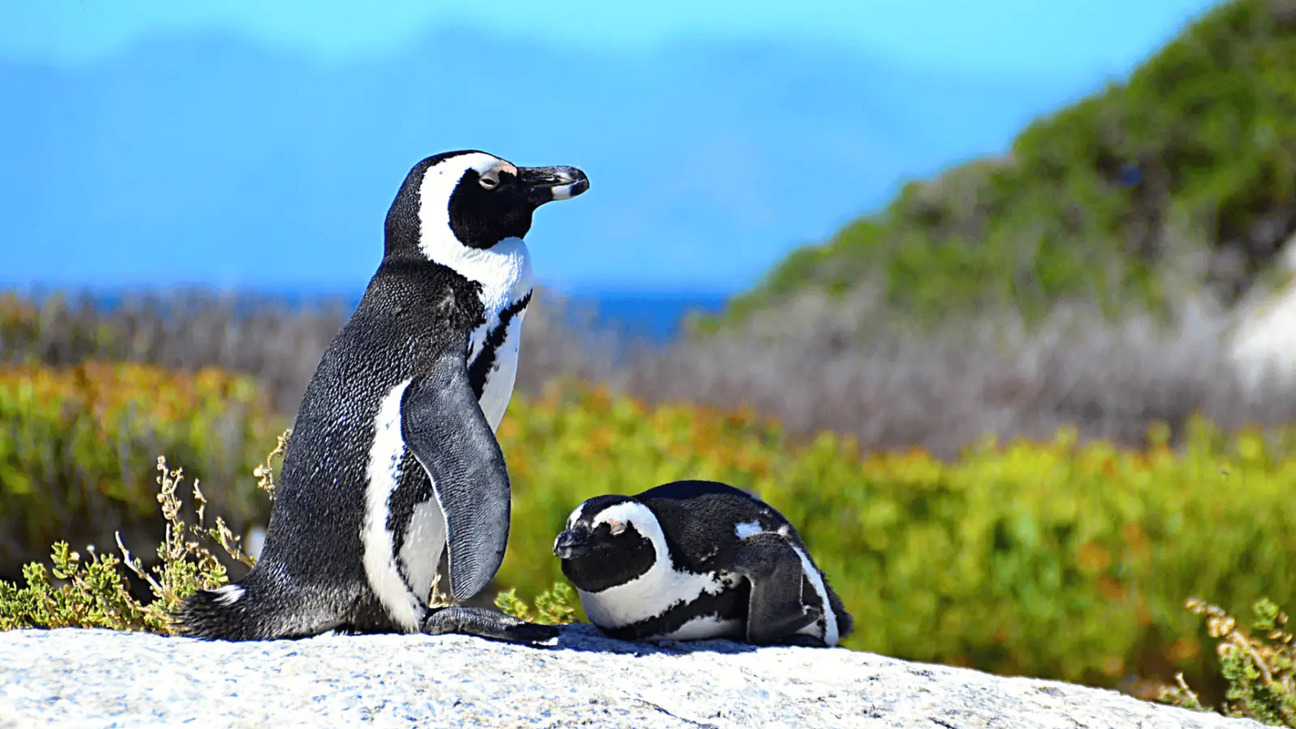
(1177, 181)
(993, 300)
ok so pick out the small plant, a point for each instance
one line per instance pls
(1259, 667)
(264, 472)
(96, 592)
(555, 606)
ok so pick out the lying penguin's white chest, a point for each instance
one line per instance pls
(649, 595)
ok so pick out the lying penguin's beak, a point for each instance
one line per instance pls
(573, 543)
(545, 184)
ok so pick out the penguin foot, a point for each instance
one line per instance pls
(486, 623)
(805, 641)
(769, 625)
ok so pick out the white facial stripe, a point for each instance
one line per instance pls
(571, 518)
(829, 617)
(383, 474)
(633, 512)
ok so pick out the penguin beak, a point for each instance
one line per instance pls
(546, 184)
(573, 543)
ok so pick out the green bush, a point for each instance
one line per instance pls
(1056, 559)
(78, 445)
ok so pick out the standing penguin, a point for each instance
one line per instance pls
(393, 455)
(691, 560)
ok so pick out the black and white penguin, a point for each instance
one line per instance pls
(692, 560)
(393, 458)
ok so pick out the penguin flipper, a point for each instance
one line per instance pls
(444, 427)
(775, 610)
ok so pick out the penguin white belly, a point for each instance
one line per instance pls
(383, 476)
(503, 373)
(706, 626)
(504, 273)
(425, 540)
(647, 596)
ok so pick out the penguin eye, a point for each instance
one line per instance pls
(616, 527)
(489, 180)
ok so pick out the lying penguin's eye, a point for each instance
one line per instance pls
(489, 182)
(617, 527)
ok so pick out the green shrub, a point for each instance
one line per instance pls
(77, 445)
(1259, 665)
(1059, 559)
(556, 606)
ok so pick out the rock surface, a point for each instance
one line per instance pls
(1263, 342)
(96, 678)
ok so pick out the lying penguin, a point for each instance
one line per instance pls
(691, 560)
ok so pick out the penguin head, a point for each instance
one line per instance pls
(455, 202)
(609, 540)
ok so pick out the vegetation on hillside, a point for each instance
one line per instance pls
(1183, 175)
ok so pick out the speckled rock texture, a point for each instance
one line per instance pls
(96, 678)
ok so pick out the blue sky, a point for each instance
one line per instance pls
(212, 141)
(1008, 36)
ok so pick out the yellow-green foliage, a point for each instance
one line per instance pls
(556, 606)
(95, 593)
(1259, 665)
(1056, 559)
(78, 444)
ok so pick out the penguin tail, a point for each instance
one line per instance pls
(245, 610)
(845, 624)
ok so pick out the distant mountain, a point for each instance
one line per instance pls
(1181, 179)
(213, 160)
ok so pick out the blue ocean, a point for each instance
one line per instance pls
(652, 316)
(655, 317)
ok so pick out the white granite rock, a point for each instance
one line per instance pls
(1262, 344)
(96, 678)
